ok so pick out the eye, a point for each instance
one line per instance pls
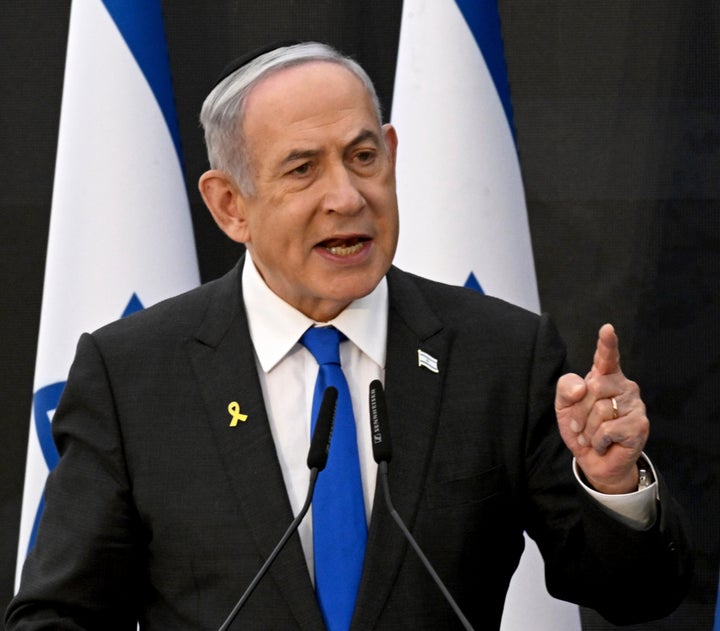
(302, 169)
(365, 157)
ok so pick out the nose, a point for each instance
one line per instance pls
(342, 194)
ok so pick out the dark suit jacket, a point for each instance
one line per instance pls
(162, 512)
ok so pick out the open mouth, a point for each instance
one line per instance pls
(344, 247)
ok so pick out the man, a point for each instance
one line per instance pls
(183, 430)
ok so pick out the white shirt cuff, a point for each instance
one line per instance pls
(637, 509)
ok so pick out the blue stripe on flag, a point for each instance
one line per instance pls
(45, 401)
(473, 283)
(134, 305)
(140, 22)
(36, 524)
(483, 18)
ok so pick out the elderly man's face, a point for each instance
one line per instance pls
(322, 224)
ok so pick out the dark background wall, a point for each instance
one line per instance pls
(617, 112)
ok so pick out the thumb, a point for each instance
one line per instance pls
(571, 388)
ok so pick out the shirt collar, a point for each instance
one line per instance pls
(275, 326)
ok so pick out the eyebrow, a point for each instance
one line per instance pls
(298, 155)
(363, 135)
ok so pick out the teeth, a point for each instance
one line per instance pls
(345, 250)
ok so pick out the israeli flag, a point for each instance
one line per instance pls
(120, 234)
(463, 218)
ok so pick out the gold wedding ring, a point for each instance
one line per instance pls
(613, 400)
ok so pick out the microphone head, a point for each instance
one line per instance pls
(379, 426)
(320, 443)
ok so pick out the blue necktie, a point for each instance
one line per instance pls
(339, 526)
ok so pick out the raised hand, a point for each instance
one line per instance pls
(602, 419)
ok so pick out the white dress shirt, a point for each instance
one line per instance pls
(287, 372)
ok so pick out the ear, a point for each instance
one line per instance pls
(391, 141)
(226, 204)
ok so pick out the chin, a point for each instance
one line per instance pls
(359, 288)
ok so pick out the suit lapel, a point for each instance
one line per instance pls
(413, 395)
(224, 363)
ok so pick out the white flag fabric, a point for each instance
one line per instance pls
(120, 234)
(463, 218)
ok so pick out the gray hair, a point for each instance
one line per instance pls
(223, 111)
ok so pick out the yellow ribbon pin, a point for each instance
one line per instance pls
(235, 416)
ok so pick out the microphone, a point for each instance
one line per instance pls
(316, 461)
(382, 453)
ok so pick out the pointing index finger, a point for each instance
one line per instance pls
(607, 353)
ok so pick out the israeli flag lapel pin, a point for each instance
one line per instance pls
(425, 360)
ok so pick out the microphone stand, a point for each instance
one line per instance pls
(382, 453)
(280, 545)
(316, 461)
(383, 470)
